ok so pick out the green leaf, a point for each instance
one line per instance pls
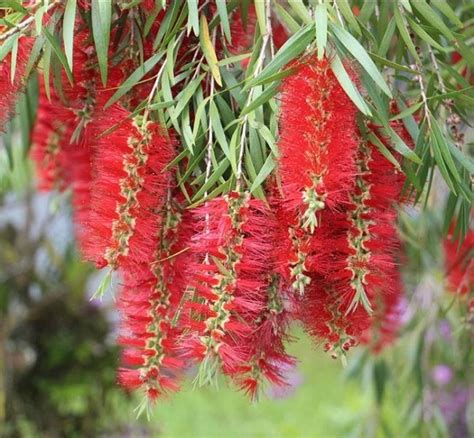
(392, 64)
(193, 17)
(261, 99)
(425, 36)
(13, 60)
(465, 161)
(7, 46)
(432, 18)
(346, 83)
(224, 16)
(266, 169)
(68, 30)
(441, 165)
(348, 15)
(444, 149)
(466, 52)
(53, 41)
(295, 45)
(103, 286)
(233, 59)
(387, 38)
(217, 128)
(407, 111)
(134, 78)
(383, 149)
(300, 10)
(13, 4)
(39, 19)
(451, 94)
(101, 12)
(208, 50)
(286, 18)
(400, 146)
(185, 95)
(402, 28)
(261, 16)
(222, 167)
(321, 17)
(34, 55)
(359, 53)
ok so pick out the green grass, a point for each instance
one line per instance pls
(324, 405)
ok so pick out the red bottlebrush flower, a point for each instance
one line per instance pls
(149, 304)
(129, 188)
(318, 143)
(268, 358)
(60, 161)
(238, 306)
(50, 135)
(318, 140)
(353, 257)
(459, 262)
(12, 86)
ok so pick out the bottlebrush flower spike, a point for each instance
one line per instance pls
(318, 143)
(130, 186)
(50, 136)
(10, 87)
(357, 283)
(62, 163)
(268, 357)
(232, 252)
(459, 262)
(149, 304)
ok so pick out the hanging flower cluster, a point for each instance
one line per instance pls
(339, 199)
(216, 287)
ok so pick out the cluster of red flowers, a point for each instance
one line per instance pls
(339, 204)
(219, 285)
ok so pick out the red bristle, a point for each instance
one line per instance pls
(318, 144)
(233, 305)
(11, 87)
(129, 379)
(459, 262)
(129, 188)
(353, 258)
(149, 304)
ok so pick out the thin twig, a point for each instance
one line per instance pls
(437, 70)
(24, 24)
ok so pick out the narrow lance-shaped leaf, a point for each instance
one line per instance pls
(360, 54)
(193, 16)
(321, 17)
(68, 30)
(223, 15)
(101, 20)
(346, 83)
(134, 78)
(209, 51)
(348, 15)
(59, 53)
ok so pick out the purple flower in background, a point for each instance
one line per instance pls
(445, 330)
(442, 374)
(453, 405)
(294, 379)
